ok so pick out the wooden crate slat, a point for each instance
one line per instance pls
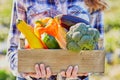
(57, 59)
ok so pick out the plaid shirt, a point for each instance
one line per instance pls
(31, 10)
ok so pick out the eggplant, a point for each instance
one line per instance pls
(67, 21)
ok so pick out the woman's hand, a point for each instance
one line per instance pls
(72, 72)
(41, 72)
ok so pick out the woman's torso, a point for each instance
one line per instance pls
(36, 9)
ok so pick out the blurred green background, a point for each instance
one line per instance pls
(112, 42)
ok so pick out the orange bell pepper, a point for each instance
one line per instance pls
(53, 28)
(37, 27)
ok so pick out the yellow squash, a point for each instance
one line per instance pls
(28, 32)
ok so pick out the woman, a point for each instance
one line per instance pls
(31, 10)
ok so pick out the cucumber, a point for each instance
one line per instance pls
(50, 41)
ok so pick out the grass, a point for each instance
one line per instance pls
(3, 33)
(112, 40)
(5, 75)
(112, 16)
(5, 9)
(5, 12)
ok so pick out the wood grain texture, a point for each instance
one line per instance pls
(22, 43)
(58, 59)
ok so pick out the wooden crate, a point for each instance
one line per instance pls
(58, 59)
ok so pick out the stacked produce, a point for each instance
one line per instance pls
(45, 31)
(63, 31)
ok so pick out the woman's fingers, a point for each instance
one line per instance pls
(74, 72)
(43, 71)
(48, 72)
(63, 73)
(38, 71)
(69, 71)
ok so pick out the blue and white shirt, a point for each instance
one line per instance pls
(31, 10)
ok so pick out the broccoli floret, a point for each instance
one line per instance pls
(85, 42)
(86, 39)
(81, 27)
(90, 45)
(76, 36)
(82, 37)
(91, 31)
(68, 36)
(73, 46)
(88, 26)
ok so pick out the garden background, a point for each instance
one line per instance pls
(112, 41)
